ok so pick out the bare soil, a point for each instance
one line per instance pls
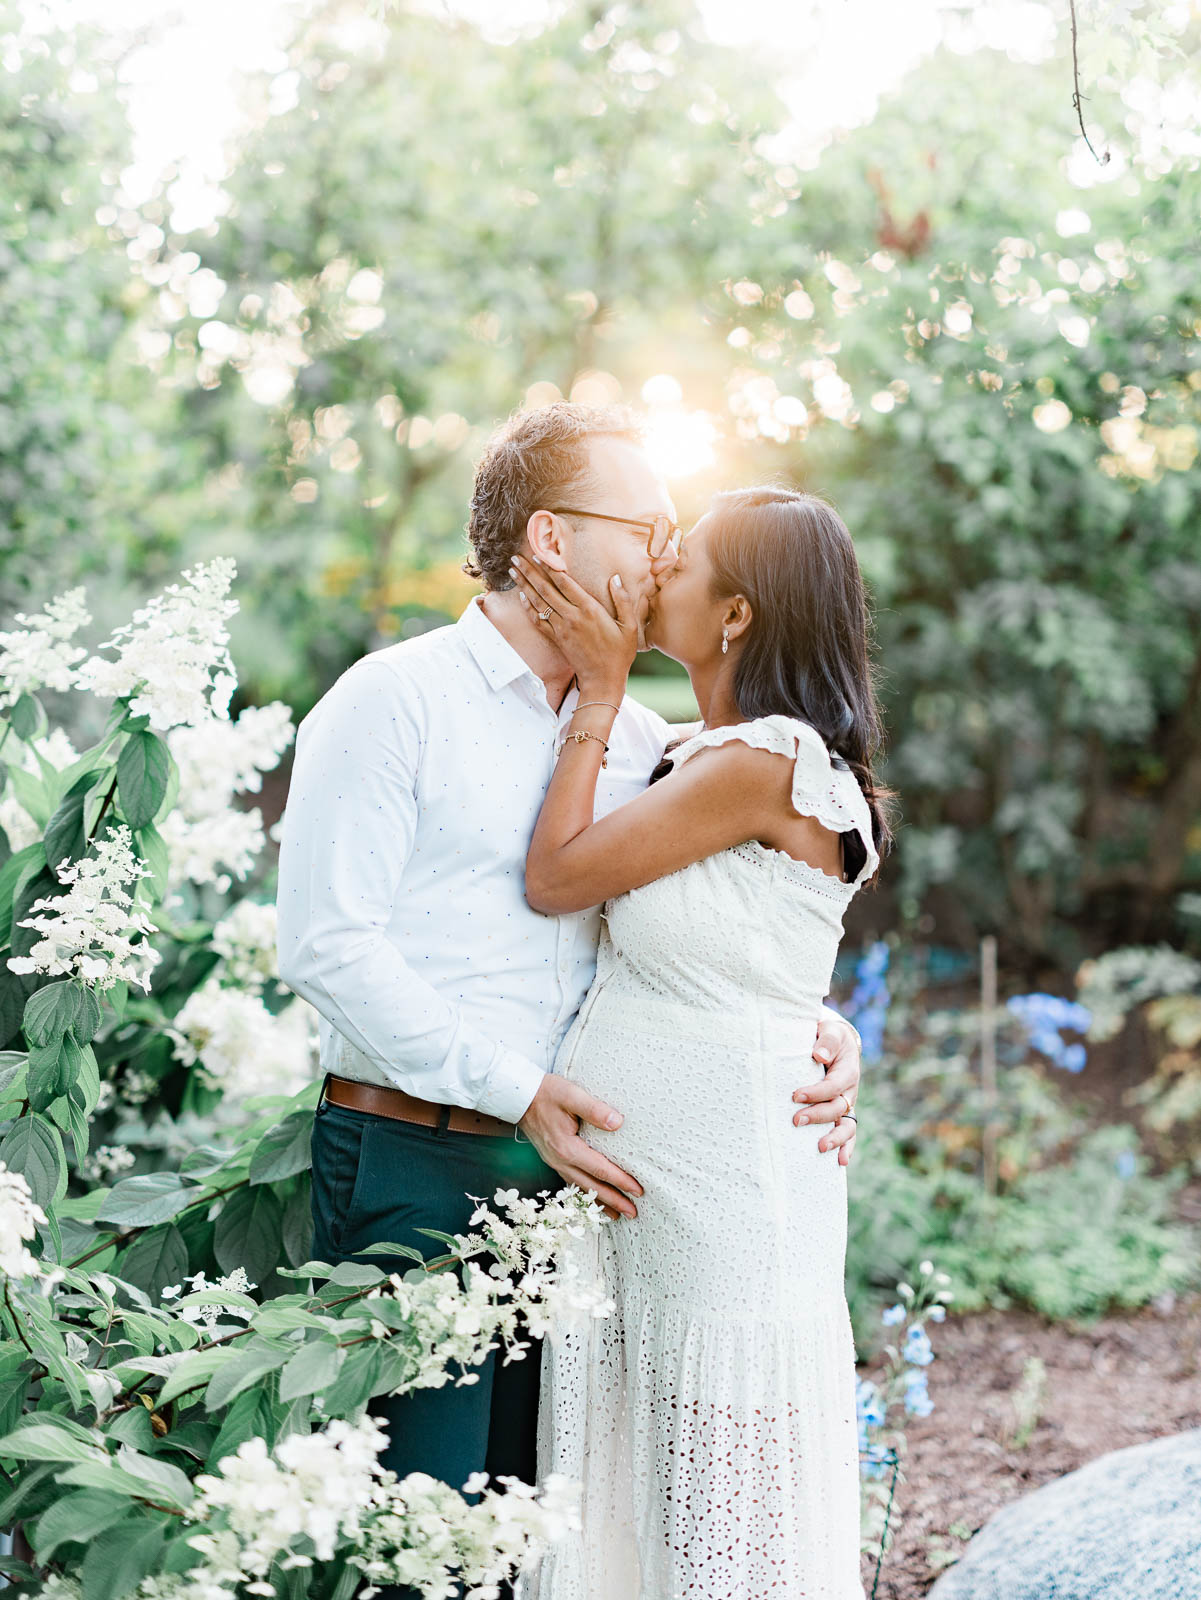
(1125, 1380)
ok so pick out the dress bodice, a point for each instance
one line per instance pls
(749, 929)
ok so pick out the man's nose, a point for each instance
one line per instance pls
(662, 565)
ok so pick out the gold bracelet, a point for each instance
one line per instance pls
(584, 703)
(579, 738)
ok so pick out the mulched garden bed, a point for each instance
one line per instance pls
(1125, 1380)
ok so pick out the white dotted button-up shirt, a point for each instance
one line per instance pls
(403, 920)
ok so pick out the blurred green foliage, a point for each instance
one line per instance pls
(991, 369)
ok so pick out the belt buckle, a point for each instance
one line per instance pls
(520, 1137)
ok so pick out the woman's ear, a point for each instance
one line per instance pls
(737, 616)
(546, 535)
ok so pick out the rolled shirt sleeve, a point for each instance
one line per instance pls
(347, 834)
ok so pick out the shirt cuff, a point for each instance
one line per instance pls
(512, 1085)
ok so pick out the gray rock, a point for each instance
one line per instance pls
(1125, 1527)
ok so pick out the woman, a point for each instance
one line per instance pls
(711, 1418)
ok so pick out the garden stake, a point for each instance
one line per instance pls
(892, 1489)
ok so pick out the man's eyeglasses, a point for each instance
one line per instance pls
(661, 531)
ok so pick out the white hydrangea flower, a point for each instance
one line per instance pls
(245, 941)
(173, 657)
(38, 654)
(208, 837)
(19, 1217)
(237, 1282)
(88, 932)
(316, 1485)
(241, 1047)
(106, 1161)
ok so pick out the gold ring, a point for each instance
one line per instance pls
(545, 615)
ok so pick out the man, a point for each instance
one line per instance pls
(402, 915)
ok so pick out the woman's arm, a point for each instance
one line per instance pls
(723, 796)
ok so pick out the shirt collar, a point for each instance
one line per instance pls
(494, 655)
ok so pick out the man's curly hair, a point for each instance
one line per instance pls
(535, 461)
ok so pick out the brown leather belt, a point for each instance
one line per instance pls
(386, 1102)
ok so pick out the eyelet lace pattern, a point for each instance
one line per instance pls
(711, 1419)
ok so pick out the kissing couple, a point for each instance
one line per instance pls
(554, 940)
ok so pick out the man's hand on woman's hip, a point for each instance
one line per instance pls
(552, 1125)
(837, 1048)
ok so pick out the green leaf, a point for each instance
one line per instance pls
(76, 1519)
(384, 1247)
(354, 1274)
(51, 1011)
(49, 1074)
(240, 1369)
(170, 1483)
(28, 717)
(37, 1438)
(296, 1233)
(253, 1415)
(311, 1369)
(142, 770)
(194, 1373)
(154, 1259)
(284, 1150)
(66, 833)
(13, 875)
(203, 1160)
(34, 1147)
(118, 1560)
(13, 1390)
(12, 1073)
(152, 848)
(357, 1381)
(150, 1197)
(247, 1232)
(31, 795)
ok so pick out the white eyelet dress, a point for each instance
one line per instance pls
(711, 1418)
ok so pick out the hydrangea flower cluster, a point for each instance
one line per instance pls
(19, 1219)
(1044, 1017)
(241, 1047)
(245, 941)
(39, 654)
(531, 1259)
(530, 1287)
(208, 837)
(868, 1006)
(328, 1491)
(236, 1282)
(89, 932)
(173, 658)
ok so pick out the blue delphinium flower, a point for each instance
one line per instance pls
(918, 1349)
(1126, 1163)
(892, 1316)
(917, 1396)
(1045, 1017)
(867, 1008)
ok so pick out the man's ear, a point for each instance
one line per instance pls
(546, 535)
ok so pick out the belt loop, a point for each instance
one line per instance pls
(324, 1087)
(443, 1120)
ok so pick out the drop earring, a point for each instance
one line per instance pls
(725, 640)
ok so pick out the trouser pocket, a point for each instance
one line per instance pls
(337, 1161)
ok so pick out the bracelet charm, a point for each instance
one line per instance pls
(579, 737)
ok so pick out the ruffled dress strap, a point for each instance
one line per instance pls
(820, 790)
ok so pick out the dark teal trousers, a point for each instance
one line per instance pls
(374, 1179)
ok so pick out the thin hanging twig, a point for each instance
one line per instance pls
(1077, 97)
